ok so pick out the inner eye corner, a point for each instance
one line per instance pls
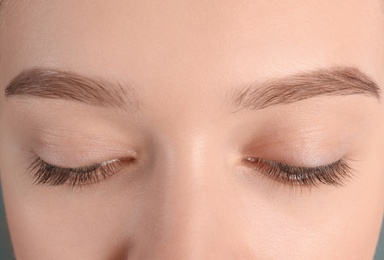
(130, 159)
(251, 160)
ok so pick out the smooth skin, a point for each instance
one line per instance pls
(190, 197)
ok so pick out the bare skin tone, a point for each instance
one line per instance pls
(192, 129)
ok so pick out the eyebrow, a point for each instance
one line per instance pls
(57, 84)
(332, 81)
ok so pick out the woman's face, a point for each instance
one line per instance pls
(197, 129)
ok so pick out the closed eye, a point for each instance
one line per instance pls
(44, 173)
(332, 174)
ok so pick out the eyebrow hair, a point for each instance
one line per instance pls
(332, 81)
(56, 84)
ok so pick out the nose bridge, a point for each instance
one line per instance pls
(192, 159)
(191, 197)
(189, 180)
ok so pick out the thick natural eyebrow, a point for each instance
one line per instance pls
(333, 81)
(56, 84)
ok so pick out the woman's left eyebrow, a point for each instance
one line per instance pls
(328, 81)
(57, 84)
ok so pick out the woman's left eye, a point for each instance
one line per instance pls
(332, 174)
(44, 173)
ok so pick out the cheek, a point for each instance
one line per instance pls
(44, 228)
(319, 226)
(321, 223)
(86, 223)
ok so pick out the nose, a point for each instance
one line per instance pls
(188, 211)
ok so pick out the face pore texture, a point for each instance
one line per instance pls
(189, 196)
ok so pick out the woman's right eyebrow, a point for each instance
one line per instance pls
(57, 84)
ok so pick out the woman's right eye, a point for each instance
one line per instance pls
(44, 173)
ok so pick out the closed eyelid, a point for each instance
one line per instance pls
(87, 168)
(46, 174)
(334, 174)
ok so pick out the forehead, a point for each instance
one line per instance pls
(191, 41)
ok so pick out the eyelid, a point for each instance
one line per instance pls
(334, 174)
(107, 162)
(44, 173)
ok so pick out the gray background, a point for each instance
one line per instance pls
(6, 251)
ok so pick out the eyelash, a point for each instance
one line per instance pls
(44, 173)
(332, 174)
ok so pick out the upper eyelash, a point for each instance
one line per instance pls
(45, 173)
(332, 174)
